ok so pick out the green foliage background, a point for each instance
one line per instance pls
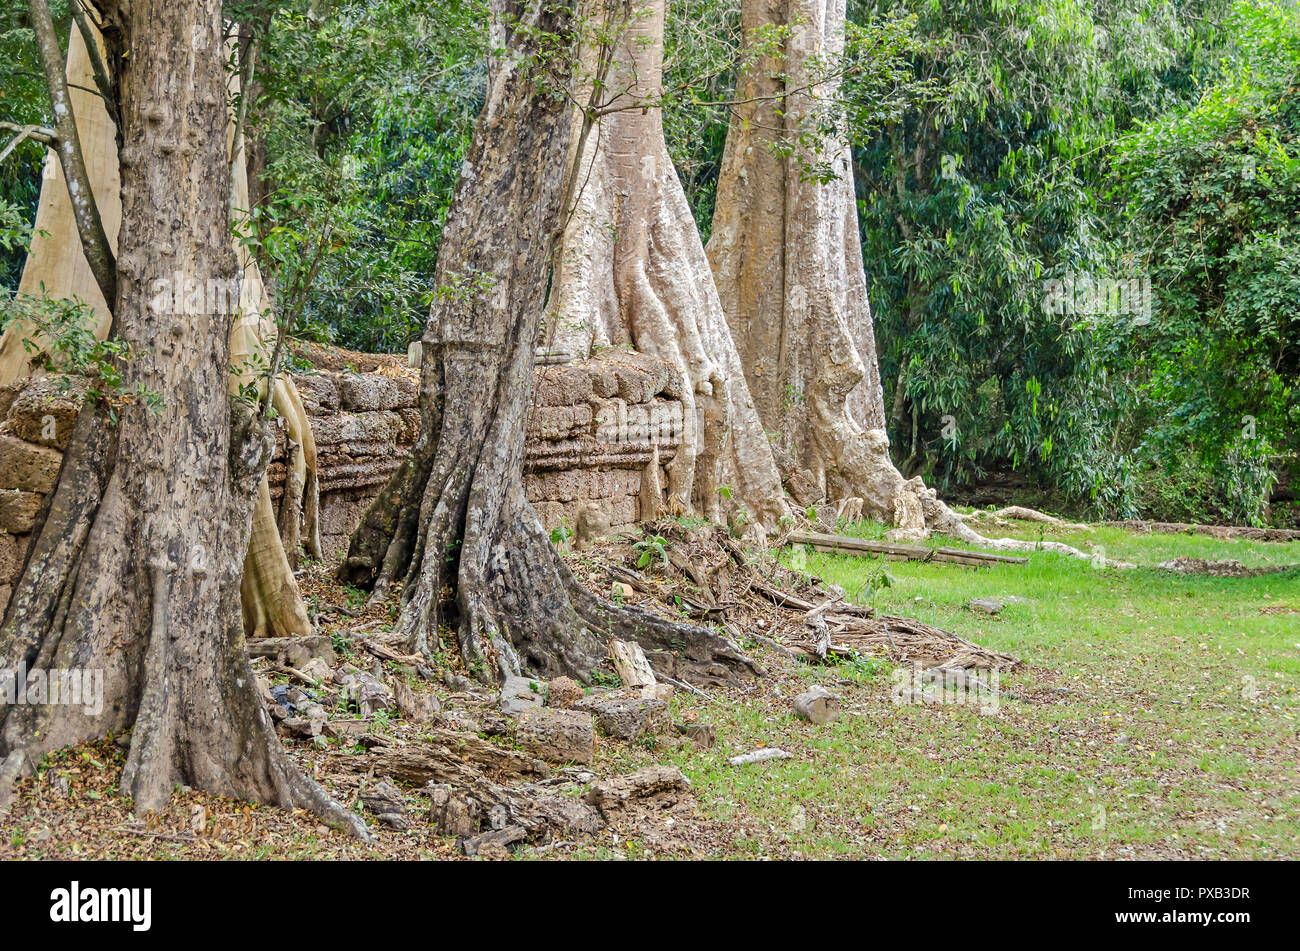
(998, 145)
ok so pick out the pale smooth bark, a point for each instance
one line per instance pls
(632, 272)
(787, 258)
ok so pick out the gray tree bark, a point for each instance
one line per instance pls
(136, 571)
(60, 265)
(453, 524)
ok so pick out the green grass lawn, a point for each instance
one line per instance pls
(1155, 718)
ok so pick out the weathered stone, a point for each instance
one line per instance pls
(18, 510)
(11, 558)
(627, 718)
(450, 812)
(319, 392)
(519, 694)
(655, 786)
(817, 705)
(558, 736)
(45, 411)
(26, 466)
(8, 393)
(702, 735)
(294, 651)
(563, 692)
(345, 727)
(368, 692)
(418, 706)
(385, 800)
(361, 392)
(493, 844)
(357, 433)
(318, 670)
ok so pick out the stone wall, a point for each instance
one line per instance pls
(597, 427)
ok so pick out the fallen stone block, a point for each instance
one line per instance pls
(558, 736)
(627, 718)
(519, 694)
(656, 786)
(817, 705)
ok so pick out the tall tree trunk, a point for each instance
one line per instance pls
(787, 258)
(136, 570)
(57, 267)
(453, 523)
(632, 271)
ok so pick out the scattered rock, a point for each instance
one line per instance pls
(447, 756)
(346, 727)
(627, 718)
(655, 786)
(386, 802)
(419, 707)
(955, 677)
(817, 705)
(760, 756)
(985, 605)
(300, 727)
(367, 691)
(702, 735)
(452, 813)
(519, 694)
(296, 652)
(456, 682)
(563, 692)
(494, 844)
(559, 736)
(593, 525)
(462, 720)
(318, 670)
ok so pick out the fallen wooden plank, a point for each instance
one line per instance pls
(847, 545)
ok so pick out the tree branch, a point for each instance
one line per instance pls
(94, 241)
(102, 81)
(37, 133)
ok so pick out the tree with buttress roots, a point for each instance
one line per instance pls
(787, 258)
(453, 525)
(136, 568)
(71, 257)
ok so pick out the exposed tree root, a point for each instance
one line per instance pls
(453, 523)
(1022, 514)
(715, 578)
(92, 600)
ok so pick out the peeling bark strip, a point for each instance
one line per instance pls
(136, 571)
(632, 271)
(454, 518)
